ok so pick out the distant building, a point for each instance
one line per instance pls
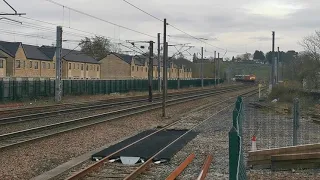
(28, 61)
(75, 64)
(117, 66)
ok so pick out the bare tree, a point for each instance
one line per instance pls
(311, 45)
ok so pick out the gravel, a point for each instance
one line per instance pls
(90, 98)
(213, 139)
(29, 160)
(274, 130)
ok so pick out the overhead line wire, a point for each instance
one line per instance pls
(95, 17)
(177, 28)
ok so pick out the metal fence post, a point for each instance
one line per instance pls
(234, 146)
(296, 115)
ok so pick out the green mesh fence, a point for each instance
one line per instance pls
(13, 90)
(237, 169)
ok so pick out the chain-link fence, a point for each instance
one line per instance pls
(15, 90)
(277, 127)
(237, 168)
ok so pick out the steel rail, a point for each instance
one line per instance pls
(20, 137)
(35, 116)
(100, 163)
(141, 168)
(46, 107)
(174, 174)
(205, 168)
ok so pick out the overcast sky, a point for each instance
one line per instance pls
(235, 26)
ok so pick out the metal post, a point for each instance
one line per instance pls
(179, 76)
(296, 116)
(201, 67)
(150, 72)
(164, 68)
(58, 87)
(218, 68)
(215, 67)
(272, 61)
(278, 65)
(159, 64)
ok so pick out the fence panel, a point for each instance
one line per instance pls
(19, 90)
(237, 169)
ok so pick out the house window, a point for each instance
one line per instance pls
(36, 65)
(97, 68)
(74, 65)
(30, 64)
(137, 68)
(1, 63)
(23, 64)
(171, 70)
(78, 66)
(48, 65)
(18, 65)
(69, 65)
(90, 67)
(87, 67)
(146, 69)
(132, 68)
(43, 65)
(81, 66)
(94, 67)
(54, 65)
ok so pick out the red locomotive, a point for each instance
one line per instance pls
(245, 78)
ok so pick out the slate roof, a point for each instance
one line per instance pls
(33, 52)
(125, 57)
(139, 60)
(69, 55)
(49, 51)
(9, 47)
(77, 56)
(183, 62)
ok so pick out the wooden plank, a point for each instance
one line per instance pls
(286, 150)
(263, 157)
(298, 156)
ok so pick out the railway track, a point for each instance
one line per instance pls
(119, 171)
(94, 106)
(39, 109)
(19, 137)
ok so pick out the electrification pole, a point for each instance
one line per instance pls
(159, 64)
(164, 68)
(278, 68)
(272, 61)
(201, 67)
(218, 68)
(215, 67)
(58, 83)
(150, 72)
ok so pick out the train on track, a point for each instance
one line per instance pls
(245, 78)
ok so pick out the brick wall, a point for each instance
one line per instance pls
(139, 71)
(79, 70)
(112, 67)
(48, 69)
